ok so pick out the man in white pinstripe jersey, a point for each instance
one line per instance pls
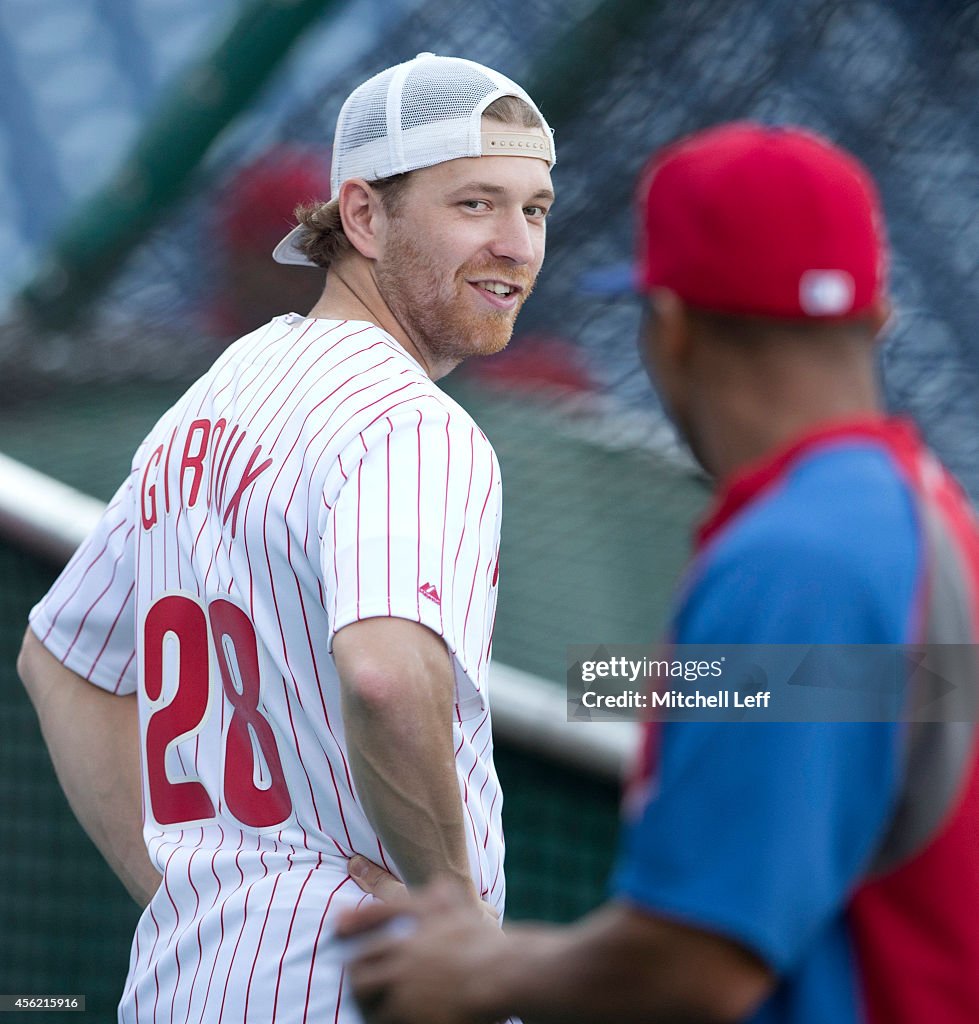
(287, 609)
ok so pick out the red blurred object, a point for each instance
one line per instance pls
(534, 363)
(255, 208)
(258, 202)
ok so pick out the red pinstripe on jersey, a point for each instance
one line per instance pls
(81, 576)
(371, 494)
(115, 622)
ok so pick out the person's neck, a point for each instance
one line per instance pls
(351, 293)
(745, 424)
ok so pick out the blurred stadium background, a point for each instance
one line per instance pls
(125, 126)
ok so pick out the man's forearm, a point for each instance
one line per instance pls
(93, 739)
(410, 792)
(620, 964)
(398, 721)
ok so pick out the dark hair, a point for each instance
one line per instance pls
(323, 241)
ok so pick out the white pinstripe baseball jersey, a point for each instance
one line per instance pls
(315, 476)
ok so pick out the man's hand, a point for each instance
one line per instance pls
(375, 881)
(440, 974)
(387, 888)
(431, 957)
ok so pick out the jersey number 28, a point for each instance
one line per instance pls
(254, 784)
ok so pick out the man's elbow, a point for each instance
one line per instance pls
(693, 974)
(45, 678)
(29, 666)
(388, 667)
(740, 996)
(728, 985)
(371, 692)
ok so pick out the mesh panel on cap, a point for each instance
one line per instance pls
(430, 106)
(366, 113)
(429, 95)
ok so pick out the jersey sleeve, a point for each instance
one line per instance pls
(414, 532)
(87, 618)
(760, 831)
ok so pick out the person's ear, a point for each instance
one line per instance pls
(668, 338)
(363, 218)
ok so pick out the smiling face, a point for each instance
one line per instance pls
(462, 251)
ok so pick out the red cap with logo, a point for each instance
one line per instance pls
(761, 221)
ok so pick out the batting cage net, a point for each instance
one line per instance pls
(599, 497)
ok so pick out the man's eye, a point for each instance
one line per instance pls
(536, 212)
(474, 204)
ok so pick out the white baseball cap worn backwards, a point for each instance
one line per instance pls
(424, 112)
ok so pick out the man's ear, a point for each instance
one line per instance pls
(667, 340)
(363, 218)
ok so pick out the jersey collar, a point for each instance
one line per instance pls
(899, 435)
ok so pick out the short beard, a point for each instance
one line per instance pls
(429, 308)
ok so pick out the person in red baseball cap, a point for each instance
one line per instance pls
(776, 237)
(257, 205)
(783, 870)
